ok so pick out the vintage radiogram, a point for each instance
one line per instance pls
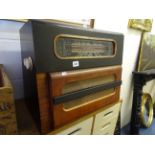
(68, 71)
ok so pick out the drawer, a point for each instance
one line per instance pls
(107, 128)
(107, 114)
(75, 94)
(82, 128)
(107, 118)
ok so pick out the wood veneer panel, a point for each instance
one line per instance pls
(61, 116)
(60, 79)
(44, 103)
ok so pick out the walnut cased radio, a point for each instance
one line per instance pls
(66, 71)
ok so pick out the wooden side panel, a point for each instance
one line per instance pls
(8, 123)
(29, 76)
(44, 103)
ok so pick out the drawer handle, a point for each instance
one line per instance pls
(73, 132)
(85, 92)
(105, 126)
(108, 113)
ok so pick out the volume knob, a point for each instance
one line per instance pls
(28, 63)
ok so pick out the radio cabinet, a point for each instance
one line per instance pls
(68, 72)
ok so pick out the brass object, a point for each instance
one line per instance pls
(86, 38)
(141, 24)
(144, 25)
(140, 55)
(146, 99)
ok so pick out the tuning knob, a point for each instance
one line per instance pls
(28, 63)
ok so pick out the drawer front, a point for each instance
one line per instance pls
(62, 83)
(82, 128)
(107, 113)
(107, 128)
(79, 93)
(105, 121)
(63, 116)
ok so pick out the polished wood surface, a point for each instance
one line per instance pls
(44, 103)
(51, 85)
(62, 117)
(58, 81)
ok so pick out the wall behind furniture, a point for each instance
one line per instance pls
(131, 46)
(10, 54)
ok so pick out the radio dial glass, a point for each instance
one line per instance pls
(70, 47)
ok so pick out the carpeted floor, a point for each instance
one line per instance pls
(143, 131)
(149, 131)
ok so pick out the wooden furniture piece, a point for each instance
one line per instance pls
(8, 124)
(68, 72)
(100, 122)
(140, 80)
